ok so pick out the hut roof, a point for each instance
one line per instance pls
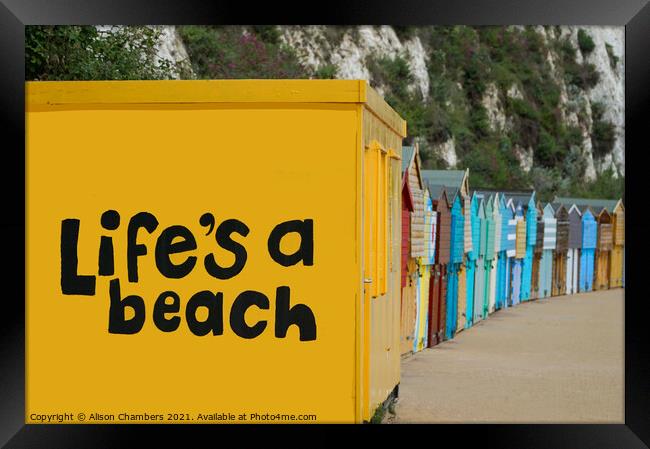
(596, 204)
(407, 155)
(451, 179)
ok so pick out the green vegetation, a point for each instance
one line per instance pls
(327, 71)
(585, 42)
(603, 134)
(85, 53)
(378, 416)
(226, 52)
(604, 186)
(613, 59)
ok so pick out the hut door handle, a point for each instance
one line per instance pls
(367, 280)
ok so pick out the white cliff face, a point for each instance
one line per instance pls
(171, 48)
(447, 151)
(494, 108)
(609, 91)
(349, 49)
(350, 54)
(610, 88)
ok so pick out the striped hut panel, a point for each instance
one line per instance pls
(497, 225)
(550, 232)
(417, 216)
(430, 218)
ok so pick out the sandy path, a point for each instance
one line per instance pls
(553, 360)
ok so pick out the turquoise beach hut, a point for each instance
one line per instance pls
(456, 259)
(531, 239)
(479, 274)
(490, 266)
(472, 258)
(588, 251)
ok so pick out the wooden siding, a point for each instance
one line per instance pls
(520, 248)
(539, 240)
(458, 231)
(408, 310)
(562, 235)
(589, 231)
(605, 237)
(467, 231)
(417, 216)
(619, 228)
(381, 328)
(406, 244)
(559, 273)
(444, 230)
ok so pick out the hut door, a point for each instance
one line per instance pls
(434, 305)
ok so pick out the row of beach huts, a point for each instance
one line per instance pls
(468, 253)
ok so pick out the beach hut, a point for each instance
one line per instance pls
(455, 260)
(312, 322)
(465, 307)
(587, 253)
(537, 252)
(490, 265)
(412, 244)
(456, 182)
(502, 257)
(472, 257)
(479, 273)
(520, 254)
(616, 210)
(425, 265)
(511, 250)
(560, 258)
(531, 239)
(618, 221)
(574, 247)
(496, 213)
(438, 280)
(603, 250)
(546, 262)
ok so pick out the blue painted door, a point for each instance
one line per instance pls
(516, 281)
(527, 274)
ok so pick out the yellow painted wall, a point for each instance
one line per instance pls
(383, 329)
(423, 305)
(176, 149)
(616, 274)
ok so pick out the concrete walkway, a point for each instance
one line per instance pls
(557, 360)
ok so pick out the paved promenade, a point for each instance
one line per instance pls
(555, 360)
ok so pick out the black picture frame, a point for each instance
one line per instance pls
(15, 14)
